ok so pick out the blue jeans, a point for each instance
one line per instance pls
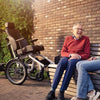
(84, 83)
(63, 64)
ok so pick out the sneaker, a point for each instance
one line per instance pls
(96, 96)
(61, 96)
(93, 95)
(50, 96)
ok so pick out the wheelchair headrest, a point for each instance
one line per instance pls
(10, 30)
(9, 25)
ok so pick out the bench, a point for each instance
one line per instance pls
(71, 90)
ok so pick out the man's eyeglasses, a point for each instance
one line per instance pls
(79, 29)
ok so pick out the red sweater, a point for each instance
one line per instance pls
(80, 46)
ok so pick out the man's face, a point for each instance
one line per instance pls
(77, 31)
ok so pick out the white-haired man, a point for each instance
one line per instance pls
(75, 48)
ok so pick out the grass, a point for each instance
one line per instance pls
(46, 75)
(2, 73)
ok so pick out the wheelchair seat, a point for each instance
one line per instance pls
(18, 44)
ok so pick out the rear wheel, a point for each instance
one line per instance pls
(16, 72)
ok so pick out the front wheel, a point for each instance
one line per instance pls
(39, 76)
(16, 72)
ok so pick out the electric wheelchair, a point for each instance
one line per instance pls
(26, 59)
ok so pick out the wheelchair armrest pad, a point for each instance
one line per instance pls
(38, 48)
(33, 40)
(19, 39)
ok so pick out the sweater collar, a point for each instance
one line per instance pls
(75, 37)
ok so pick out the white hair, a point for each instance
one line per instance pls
(74, 26)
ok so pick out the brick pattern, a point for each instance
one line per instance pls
(54, 19)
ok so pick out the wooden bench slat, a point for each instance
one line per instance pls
(68, 92)
(95, 49)
(96, 82)
(95, 53)
(97, 87)
(72, 84)
(95, 44)
(97, 72)
(95, 76)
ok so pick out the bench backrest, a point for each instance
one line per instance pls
(95, 50)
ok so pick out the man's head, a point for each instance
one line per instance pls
(77, 30)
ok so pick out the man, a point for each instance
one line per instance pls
(74, 49)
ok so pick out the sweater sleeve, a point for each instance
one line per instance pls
(86, 53)
(64, 51)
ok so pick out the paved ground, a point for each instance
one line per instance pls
(30, 90)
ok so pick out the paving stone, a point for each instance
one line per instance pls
(29, 90)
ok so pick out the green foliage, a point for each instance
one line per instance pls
(2, 73)
(4, 52)
(20, 13)
(46, 75)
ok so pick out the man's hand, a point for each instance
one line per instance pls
(75, 56)
(92, 58)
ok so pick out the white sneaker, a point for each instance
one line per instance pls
(93, 95)
(96, 96)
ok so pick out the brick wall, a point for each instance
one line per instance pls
(54, 19)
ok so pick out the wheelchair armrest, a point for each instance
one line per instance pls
(18, 40)
(33, 40)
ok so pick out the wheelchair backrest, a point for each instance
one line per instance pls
(16, 40)
(11, 39)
